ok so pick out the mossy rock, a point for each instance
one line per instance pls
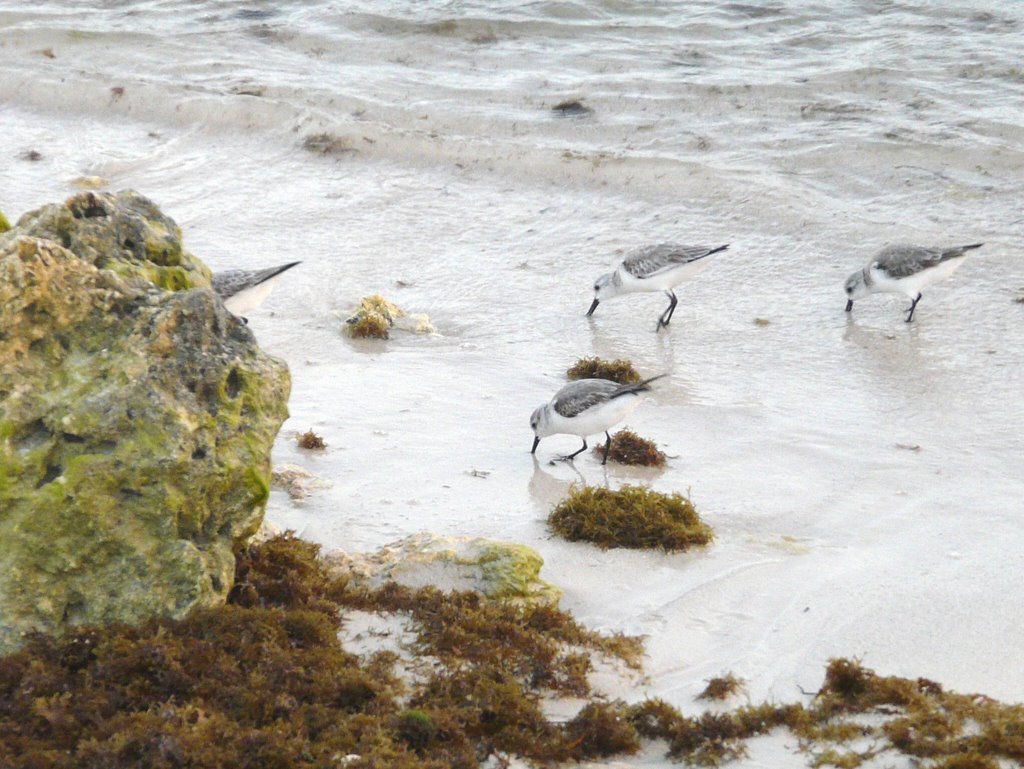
(4, 224)
(631, 517)
(135, 434)
(490, 567)
(618, 370)
(124, 232)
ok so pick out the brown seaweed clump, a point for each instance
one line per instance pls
(721, 688)
(620, 371)
(310, 440)
(633, 517)
(628, 448)
(265, 682)
(913, 718)
(572, 108)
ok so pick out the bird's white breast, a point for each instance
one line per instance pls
(250, 298)
(596, 419)
(664, 280)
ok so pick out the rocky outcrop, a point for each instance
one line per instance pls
(135, 423)
(491, 567)
(124, 232)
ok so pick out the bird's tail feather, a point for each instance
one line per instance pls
(952, 253)
(711, 251)
(637, 387)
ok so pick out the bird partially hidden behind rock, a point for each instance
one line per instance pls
(245, 290)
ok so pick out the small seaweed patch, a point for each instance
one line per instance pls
(572, 108)
(4, 224)
(721, 687)
(632, 517)
(628, 448)
(369, 327)
(620, 371)
(326, 144)
(310, 440)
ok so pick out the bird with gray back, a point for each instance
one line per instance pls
(244, 290)
(661, 267)
(586, 407)
(905, 269)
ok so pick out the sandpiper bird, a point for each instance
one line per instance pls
(903, 269)
(654, 268)
(586, 407)
(244, 290)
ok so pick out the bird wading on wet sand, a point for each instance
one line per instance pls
(245, 290)
(654, 268)
(903, 269)
(587, 407)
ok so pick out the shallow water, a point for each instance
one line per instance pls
(862, 474)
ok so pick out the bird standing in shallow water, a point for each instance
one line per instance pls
(654, 268)
(903, 269)
(586, 407)
(244, 290)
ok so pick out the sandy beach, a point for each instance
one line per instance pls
(862, 475)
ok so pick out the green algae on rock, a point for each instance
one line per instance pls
(4, 224)
(632, 517)
(493, 568)
(124, 232)
(618, 370)
(135, 435)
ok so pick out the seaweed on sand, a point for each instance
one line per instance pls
(721, 687)
(265, 682)
(310, 440)
(618, 370)
(632, 517)
(628, 448)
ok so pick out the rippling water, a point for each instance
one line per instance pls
(863, 475)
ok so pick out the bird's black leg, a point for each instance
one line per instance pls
(667, 315)
(607, 447)
(671, 307)
(571, 457)
(913, 306)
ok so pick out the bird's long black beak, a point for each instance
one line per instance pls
(849, 305)
(593, 307)
(536, 441)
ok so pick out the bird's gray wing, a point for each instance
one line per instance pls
(230, 282)
(648, 261)
(902, 261)
(576, 397)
